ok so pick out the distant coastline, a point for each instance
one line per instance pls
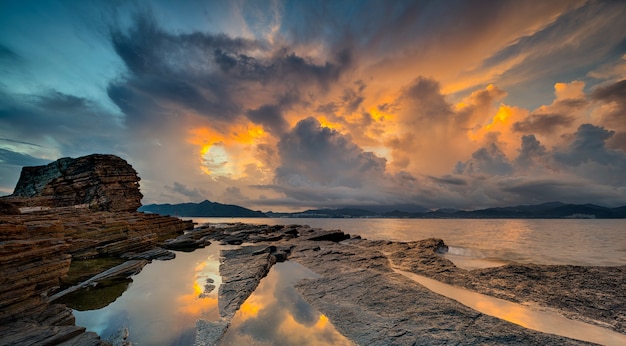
(550, 210)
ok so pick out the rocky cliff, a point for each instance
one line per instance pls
(61, 214)
(100, 182)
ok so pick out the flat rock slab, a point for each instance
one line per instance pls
(22, 333)
(594, 295)
(372, 305)
(241, 269)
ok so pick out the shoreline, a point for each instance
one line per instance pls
(324, 251)
(361, 292)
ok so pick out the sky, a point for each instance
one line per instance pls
(290, 105)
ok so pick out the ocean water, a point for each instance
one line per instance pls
(477, 242)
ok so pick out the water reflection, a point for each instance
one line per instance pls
(276, 314)
(163, 302)
(543, 321)
(94, 298)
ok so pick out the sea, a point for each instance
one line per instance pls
(589, 242)
(163, 302)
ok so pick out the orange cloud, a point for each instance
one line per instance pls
(573, 90)
(227, 153)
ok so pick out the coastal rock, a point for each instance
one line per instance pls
(34, 334)
(241, 270)
(64, 212)
(372, 305)
(33, 256)
(99, 182)
(594, 295)
(363, 296)
(7, 208)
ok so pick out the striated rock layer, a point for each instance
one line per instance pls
(59, 214)
(101, 182)
(34, 257)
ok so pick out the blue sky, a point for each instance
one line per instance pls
(297, 104)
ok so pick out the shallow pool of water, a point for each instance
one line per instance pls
(541, 320)
(276, 314)
(164, 301)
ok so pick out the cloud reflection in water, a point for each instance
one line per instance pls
(276, 314)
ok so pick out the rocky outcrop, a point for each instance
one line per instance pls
(69, 211)
(101, 182)
(594, 295)
(39, 248)
(360, 291)
(34, 257)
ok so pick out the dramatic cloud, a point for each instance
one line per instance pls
(194, 195)
(311, 154)
(291, 105)
(543, 123)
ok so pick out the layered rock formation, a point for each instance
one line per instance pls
(67, 211)
(100, 182)
(33, 253)
(370, 303)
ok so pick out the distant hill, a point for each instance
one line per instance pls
(202, 209)
(550, 210)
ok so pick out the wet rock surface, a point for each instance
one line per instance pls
(591, 294)
(371, 304)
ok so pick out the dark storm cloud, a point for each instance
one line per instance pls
(488, 160)
(147, 49)
(424, 95)
(589, 146)
(449, 180)
(12, 158)
(531, 151)
(75, 124)
(618, 141)
(61, 102)
(543, 123)
(270, 116)
(195, 195)
(213, 75)
(613, 93)
(567, 191)
(319, 155)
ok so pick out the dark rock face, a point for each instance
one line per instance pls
(102, 182)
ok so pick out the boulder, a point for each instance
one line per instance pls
(99, 182)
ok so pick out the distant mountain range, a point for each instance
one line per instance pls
(202, 209)
(550, 210)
